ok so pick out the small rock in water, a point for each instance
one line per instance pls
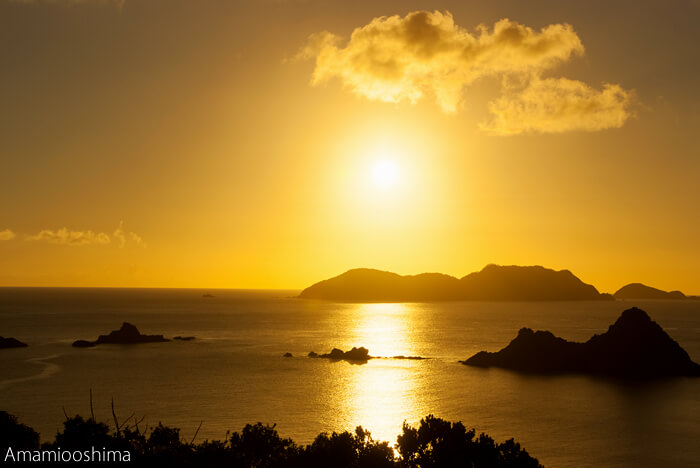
(11, 343)
(83, 344)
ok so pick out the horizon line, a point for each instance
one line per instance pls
(154, 287)
(201, 288)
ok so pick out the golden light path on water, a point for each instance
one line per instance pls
(383, 393)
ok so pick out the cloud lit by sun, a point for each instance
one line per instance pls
(394, 59)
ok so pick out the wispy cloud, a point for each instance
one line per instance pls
(136, 239)
(557, 105)
(64, 236)
(119, 235)
(394, 59)
(123, 237)
(6, 234)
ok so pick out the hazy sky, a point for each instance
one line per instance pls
(176, 143)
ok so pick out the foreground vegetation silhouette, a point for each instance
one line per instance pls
(434, 443)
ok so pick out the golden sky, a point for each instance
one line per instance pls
(274, 143)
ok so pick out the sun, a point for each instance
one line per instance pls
(385, 173)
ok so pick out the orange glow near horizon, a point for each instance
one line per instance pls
(253, 151)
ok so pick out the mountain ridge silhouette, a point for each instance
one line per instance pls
(642, 291)
(493, 282)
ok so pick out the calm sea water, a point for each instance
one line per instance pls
(234, 372)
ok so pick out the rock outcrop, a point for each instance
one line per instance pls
(355, 355)
(127, 334)
(633, 347)
(10, 342)
(83, 344)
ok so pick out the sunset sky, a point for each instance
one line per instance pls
(274, 143)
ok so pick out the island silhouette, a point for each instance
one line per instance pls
(641, 291)
(493, 283)
(633, 347)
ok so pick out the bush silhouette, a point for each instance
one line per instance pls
(261, 446)
(16, 435)
(434, 443)
(78, 433)
(440, 443)
(346, 450)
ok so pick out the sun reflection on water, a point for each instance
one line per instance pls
(384, 328)
(383, 393)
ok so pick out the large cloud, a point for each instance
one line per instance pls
(6, 234)
(395, 58)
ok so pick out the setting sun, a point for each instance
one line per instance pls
(385, 173)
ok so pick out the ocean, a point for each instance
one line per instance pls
(233, 373)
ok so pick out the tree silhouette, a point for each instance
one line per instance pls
(434, 443)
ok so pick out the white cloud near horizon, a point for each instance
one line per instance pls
(119, 235)
(425, 54)
(6, 234)
(136, 239)
(64, 236)
(123, 237)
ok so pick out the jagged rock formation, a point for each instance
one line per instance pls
(493, 283)
(127, 334)
(355, 355)
(633, 347)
